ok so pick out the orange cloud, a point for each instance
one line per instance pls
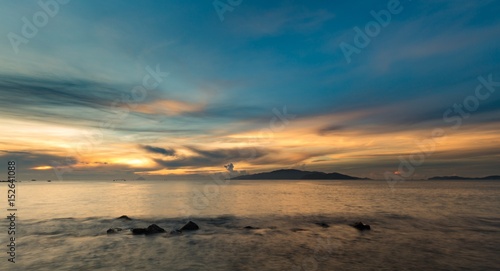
(168, 107)
(42, 168)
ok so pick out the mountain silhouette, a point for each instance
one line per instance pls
(295, 174)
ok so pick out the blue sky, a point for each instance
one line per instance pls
(228, 78)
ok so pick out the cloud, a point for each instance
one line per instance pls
(330, 128)
(28, 160)
(165, 152)
(77, 102)
(32, 165)
(229, 167)
(168, 107)
(209, 158)
(56, 92)
(55, 99)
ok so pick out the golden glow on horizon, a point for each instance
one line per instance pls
(133, 162)
(34, 135)
(162, 172)
(298, 143)
(42, 168)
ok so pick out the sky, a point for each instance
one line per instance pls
(179, 89)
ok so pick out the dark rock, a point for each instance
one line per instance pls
(322, 224)
(124, 217)
(250, 228)
(139, 231)
(361, 226)
(152, 229)
(114, 230)
(190, 226)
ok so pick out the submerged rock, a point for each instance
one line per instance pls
(124, 217)
(190, 226)
(361, 226)
(152, 229)
(251, 228)
(175, 232)
(114, 230)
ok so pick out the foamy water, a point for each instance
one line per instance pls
(417, 226)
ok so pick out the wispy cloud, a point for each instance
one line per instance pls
(217, 157)
(163, 151)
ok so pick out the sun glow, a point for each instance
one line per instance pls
(134, 162)
(42, 168)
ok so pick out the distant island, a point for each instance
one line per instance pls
(442, 178)
(295, 174)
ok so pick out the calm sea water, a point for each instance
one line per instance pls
(420, 225)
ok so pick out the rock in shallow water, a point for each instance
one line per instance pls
(190, 226)
(361, 226)
(114, 230)
(153, 228)
(251, 228)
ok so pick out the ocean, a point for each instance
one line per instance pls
(296, 225)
